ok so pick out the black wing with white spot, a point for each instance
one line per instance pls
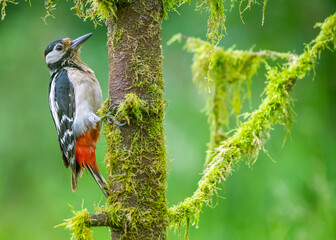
(62, 107)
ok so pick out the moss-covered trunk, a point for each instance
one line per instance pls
(136, 156)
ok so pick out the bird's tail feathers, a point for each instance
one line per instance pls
(100, 180)
(74, 180)
(75, 173)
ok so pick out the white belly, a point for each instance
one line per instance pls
(88, 97)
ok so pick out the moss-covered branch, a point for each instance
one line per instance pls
(249, 138)
(226, 75)
(80, 224)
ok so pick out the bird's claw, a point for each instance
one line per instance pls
(110, 116)
(111, 119)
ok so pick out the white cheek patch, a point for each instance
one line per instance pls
(54, 56)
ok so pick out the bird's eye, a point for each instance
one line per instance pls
(59, 47)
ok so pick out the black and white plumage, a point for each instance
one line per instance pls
(62, 107)
(74, 99)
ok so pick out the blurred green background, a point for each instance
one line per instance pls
(293, 197)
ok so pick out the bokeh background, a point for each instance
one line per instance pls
(292, 197)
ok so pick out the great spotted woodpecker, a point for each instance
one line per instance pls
(74, 98)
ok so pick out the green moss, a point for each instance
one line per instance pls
(143, 70)
(97, 11)
(133, 107)
(3, 5)
(126, 164)
(100, 11)
(79, 225)
(116, 37)
(263, 15)
(50, 7)
(226, 75)
(136, 156)
(118, 217)
(216, 8)
(249, 138)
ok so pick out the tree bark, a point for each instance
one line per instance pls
(136, 156)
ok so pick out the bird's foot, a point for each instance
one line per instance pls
(110, 116)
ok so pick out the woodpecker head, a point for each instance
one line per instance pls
(62, 50)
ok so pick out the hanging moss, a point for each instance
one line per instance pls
(96, 11)
(263, 14)
(128, 156)
(249, 138)
(50, 7)
(100, 11)
(216, 8)
(226, 75)
(3, 5)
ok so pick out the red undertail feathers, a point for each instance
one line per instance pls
(86, 158)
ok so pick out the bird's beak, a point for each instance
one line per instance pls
(75, 44)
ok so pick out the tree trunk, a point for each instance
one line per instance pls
(136, 156)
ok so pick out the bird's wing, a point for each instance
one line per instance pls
(62, 107)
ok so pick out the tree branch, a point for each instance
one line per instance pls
(261, 53)
(102, 220)
(248, 138)
(111, 216)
